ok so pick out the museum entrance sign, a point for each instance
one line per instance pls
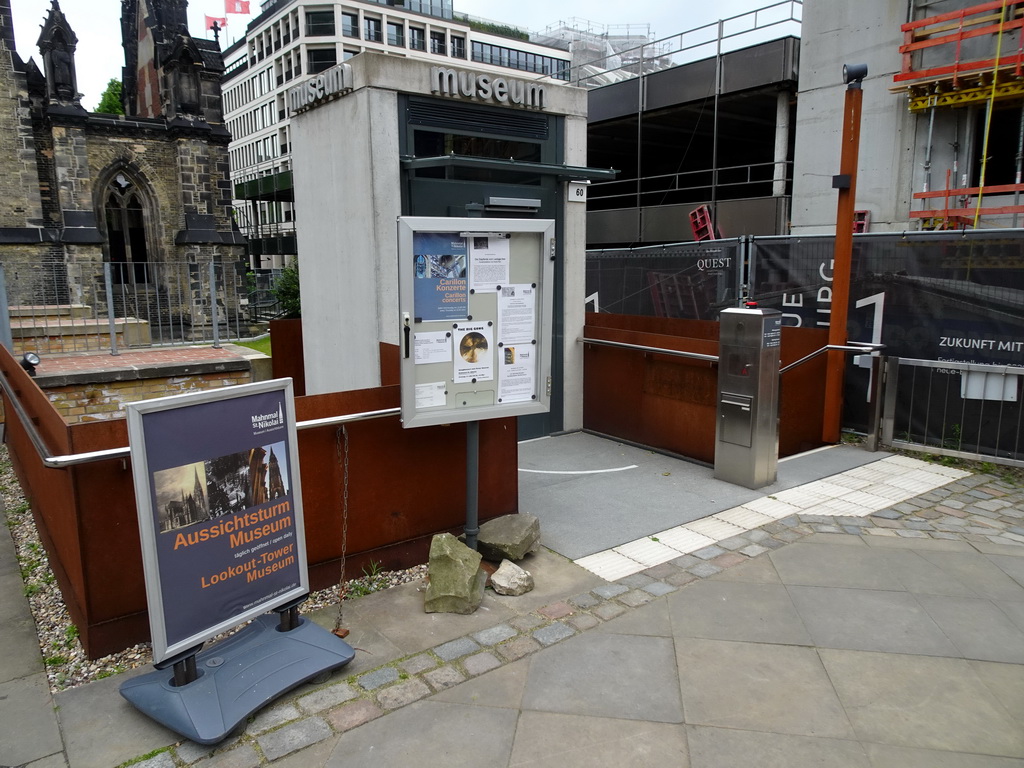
(220, 522)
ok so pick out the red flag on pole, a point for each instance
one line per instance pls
(211, 20)
(236, 6)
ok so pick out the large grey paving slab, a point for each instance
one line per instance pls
(652, 619)
(978, 628)
(1014, 609)
(8, 553)
(553, 740)
(833, 565)
(1006, 683)
(758, 570)
(869, 620)
(728, 748)
(934, 545)
(922, 702)
(372, 646)
(502, 687)
(979, 573)
(20, 655)
(1011, 566)
(554, 578)
(758, 687)
(28, 721)
(919, 575)
(722, 610)
(397, 614)
(431, 734)
(102, 729)
(599, 675)
(888, 756)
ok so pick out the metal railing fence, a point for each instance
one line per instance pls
(771, 22)
(963, 410)
(55, 307)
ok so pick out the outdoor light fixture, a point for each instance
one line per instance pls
(29, 361)
(854, 73)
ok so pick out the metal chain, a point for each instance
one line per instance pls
(341, 451)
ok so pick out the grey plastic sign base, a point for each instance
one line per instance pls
(237, 677)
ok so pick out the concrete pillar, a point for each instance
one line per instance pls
(781, 143)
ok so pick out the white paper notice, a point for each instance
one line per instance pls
(517, 311)
(430, 395)
(488, 262)
(517, 375)
(433, 347)
(474, 344)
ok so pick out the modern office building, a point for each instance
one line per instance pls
(942, 119)
(291, 39)
(701, 120)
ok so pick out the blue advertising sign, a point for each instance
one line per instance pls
(439, 270)
(217, 488)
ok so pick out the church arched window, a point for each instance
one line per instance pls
(124, 212)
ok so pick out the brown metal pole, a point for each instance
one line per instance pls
(846, 183)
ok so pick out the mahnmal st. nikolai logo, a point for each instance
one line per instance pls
(268, 420)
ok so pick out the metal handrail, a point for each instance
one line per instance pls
(641, 348)
(853, 346)
(67, 460)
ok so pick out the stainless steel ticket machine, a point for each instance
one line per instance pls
(747, 432)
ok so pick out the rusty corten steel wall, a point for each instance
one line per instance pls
(668, 403)
(405, 486)
(288, 360)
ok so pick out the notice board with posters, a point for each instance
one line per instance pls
(220, 509)
(475, 314)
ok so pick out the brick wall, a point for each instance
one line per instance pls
(100, 402)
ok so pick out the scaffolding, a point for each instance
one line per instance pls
(948, 61)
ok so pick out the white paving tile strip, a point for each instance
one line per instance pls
(648, 552)
(747, 519)
(855, 493)
(684, 540)
(714, 529)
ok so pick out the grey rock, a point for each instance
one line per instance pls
(512, 580)
(456, 580)
(510, 537)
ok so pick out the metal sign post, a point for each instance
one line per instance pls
(475, 319)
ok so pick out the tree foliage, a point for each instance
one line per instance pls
(286, 289)
(110, 101)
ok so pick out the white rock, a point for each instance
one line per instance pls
(510, 579)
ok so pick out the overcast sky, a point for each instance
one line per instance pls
(99, 56)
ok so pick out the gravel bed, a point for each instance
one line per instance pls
(66, 664)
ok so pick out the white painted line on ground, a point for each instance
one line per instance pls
(576, 471)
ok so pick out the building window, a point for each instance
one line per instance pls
(437, 43)
(527, 62)
(320, 59)
(319, 23)
(372, 30)
(417, 39)
(1003, 142)
(127, 252)
(350, 25)
(458, 47)
(396, 35)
